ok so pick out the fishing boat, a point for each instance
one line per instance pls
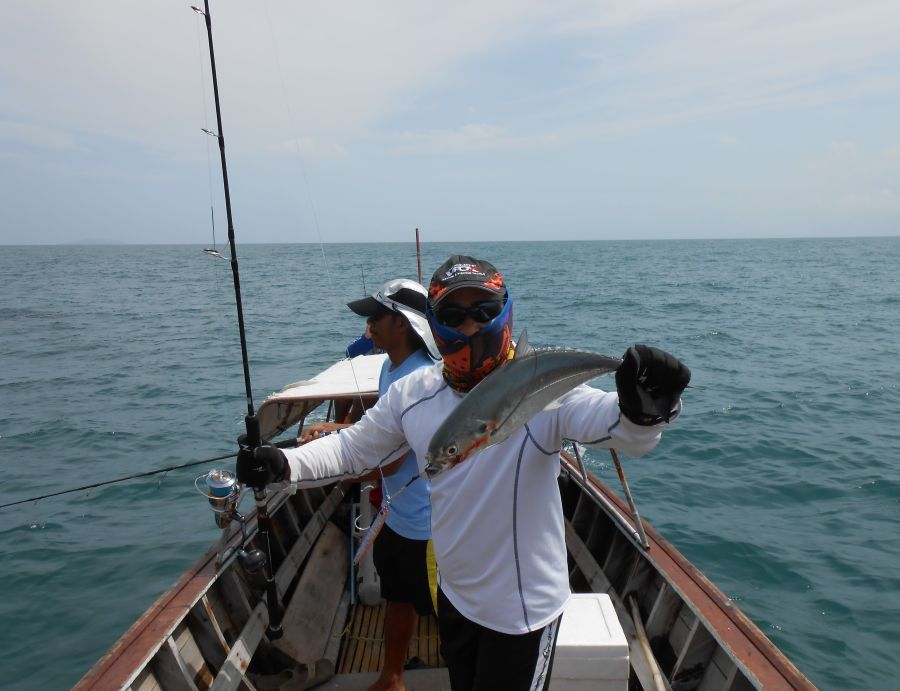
(677, 629)
(277, 602)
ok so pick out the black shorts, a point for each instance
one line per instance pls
(402, 566)
(481, 659)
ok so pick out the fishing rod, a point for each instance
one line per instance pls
(418, 256)
(221, 484)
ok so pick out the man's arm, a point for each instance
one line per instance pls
(592, 417)
(375, 440)
(649, 382)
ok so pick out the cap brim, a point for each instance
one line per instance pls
(367, 307)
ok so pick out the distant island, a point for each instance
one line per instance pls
(93, 241)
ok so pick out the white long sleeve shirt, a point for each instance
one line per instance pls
(496, 518)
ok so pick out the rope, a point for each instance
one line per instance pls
(369, 639)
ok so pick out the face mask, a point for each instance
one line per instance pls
(469, 359)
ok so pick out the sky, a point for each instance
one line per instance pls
(499, 120)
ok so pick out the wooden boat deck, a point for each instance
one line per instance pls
(362, 641)
(208, 631)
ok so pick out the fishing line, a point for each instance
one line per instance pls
(205, 108)
(295, 139)
(117, 480)
(296, 142)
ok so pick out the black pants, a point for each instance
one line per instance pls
(480, 659)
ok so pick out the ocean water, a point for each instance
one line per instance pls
(781, 481)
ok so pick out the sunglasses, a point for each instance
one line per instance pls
(482, 312)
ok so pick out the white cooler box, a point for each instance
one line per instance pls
(591, 650)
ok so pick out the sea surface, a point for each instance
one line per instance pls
(781, 480)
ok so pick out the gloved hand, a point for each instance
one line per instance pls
(650, 382)
(258, 467)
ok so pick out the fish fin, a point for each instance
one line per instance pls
(522, 346)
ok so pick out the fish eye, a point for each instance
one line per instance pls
(483, 428)
(451, 450)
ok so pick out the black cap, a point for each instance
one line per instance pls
(382, 301)
(460, 271)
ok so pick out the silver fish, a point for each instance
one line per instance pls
(508, 398)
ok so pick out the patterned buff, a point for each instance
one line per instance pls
(469, 359)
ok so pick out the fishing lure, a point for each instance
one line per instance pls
(371, 533)
(377, 523)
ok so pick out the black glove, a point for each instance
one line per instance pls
(258, 467)
(650, 382)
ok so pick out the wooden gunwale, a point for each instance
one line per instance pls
(759, 658)
(134, 650)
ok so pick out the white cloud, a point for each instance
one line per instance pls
(675, 61)
(325, 70)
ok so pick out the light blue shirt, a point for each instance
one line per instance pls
(410, 512)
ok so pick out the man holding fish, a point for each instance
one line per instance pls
(487, 425)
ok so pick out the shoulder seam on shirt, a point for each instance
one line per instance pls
(422, 400)
(529, 435)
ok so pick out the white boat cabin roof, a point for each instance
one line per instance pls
(346, 379)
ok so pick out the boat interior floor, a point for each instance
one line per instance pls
(362, 642)
(361, 656)
(413, 679)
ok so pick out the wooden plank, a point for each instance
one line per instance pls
(311, 675)
(221, 615)
(208, 635)
(306, 540)
(307, 620)
(169, 668)
(332, 649)
(720, 673)
(368, 644)
(362, 650)
(232, 673)
(376, 651)
(361, 657)
(190, 652)
(234, 598)
(662, 614)
(235, 667)
(348, 643)
(145, 681)
(695, 655)
(682, 635)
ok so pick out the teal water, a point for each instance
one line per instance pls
(781, 481)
